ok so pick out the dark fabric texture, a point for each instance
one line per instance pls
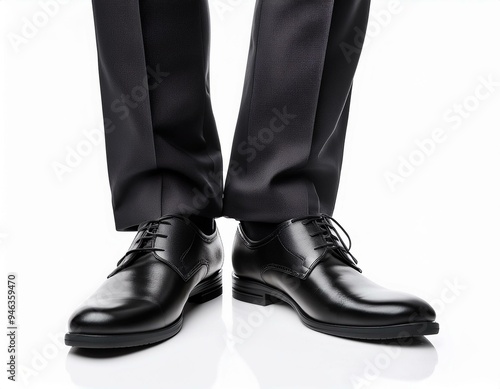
(288, 146)
(162, 146)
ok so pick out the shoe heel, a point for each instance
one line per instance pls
(207, 290)
(252, 292)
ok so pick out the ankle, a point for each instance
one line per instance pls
(205, 224)
(258, 230)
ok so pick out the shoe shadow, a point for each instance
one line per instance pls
(272, 341)
(196, 348)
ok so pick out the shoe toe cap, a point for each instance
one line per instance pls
(117, 316)
(421, 311)
(403, 309)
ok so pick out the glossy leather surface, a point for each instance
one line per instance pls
(302, 261)
(149, 289)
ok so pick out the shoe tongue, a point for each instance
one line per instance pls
(136, 242)
(179, 236)
(141, 239)
(331, 237)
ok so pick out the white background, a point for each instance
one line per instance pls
(436, 234)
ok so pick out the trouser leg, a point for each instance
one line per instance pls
(162, 147)
(288, 146)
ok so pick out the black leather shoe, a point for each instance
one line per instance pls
(169, 263)
(306, 264)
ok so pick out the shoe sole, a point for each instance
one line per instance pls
(255, 292)
(205, 291)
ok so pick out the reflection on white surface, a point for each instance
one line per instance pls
(188, 360)
(282, 352)
(266, 347)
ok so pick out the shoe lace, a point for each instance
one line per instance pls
(329, 230)
(149, 230)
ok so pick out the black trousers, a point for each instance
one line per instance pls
(162, 146)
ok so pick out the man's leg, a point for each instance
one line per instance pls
(161, 141)
(164, 164)
(285, 168)
(288, 146)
